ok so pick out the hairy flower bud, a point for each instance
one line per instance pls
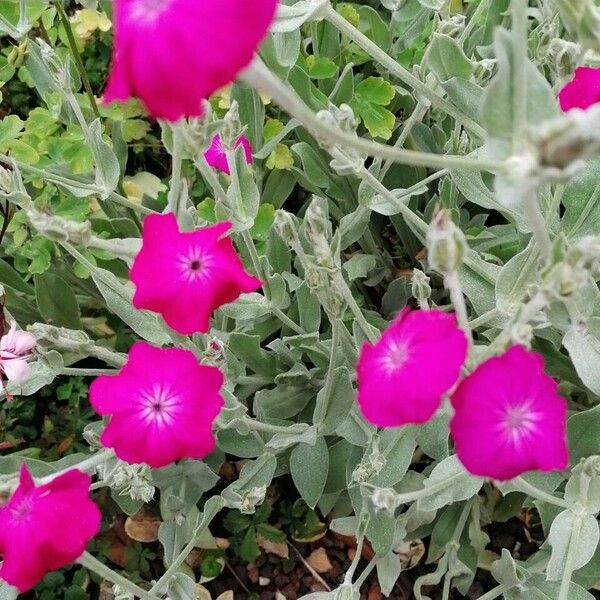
(286, 227)
(446, 244)
(421, 290)
(232, 127)
(385, 499)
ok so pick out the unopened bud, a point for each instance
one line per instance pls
(59, 229)
(446, 244)
(385, 499)
(285, 225)
(421, 290)
(17, 55)
(232, 127)
(563, 280)
(252, 498)
(452, 26)
(591, 466)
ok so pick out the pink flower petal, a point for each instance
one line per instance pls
(16, 370)
(216, 157)
(162, 406)
(418, 358)
(509, 418)
(582, 91)
(174, 53)
(186, 276)
(38, 533)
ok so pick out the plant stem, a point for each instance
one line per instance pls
(366, 572)
(495, 593)
(321, 407)
(481, 7)
(565, 582)
(529, 489)
(93, 564)
(77, 57)
(75, 372)
(87, 466)
(535, 219)
(258, 76)
(342, 286)
(386, 61)
(360, 540)
(458, 301)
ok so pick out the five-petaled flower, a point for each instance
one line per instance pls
(174, 53)
(186, 276)
(509, 418)
(417, 359)
(162, 405)
(582, 91)
(15, 351)
(216, 157)
(38, 533)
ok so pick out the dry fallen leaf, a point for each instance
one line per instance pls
(142, 527)
(202, 593)
(228, 595)
(319, 560)
(280, 549)
(410, 553)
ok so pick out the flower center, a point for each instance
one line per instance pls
(158, 405)
(395, 357)
(22, 510)
(519, 421)
(147, 11)
(193, 264)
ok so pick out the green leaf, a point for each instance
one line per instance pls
(448, 483)
(360, 265)
(330, 411)
(581, 199)
(370, 97)
(308, 467)
(583, 343)
(10, 127)
(322, 68)
(447, 59)
(497, 110)
(577, 535)
(56, 301)
(263, 222)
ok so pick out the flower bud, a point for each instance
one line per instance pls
(59, 229)
(591, 466)
(385, 499)
(252, 498)
(451, 26)
(421, 290)
(446, 244)
(232, 127)
(285, 225)
(17, 55)
(563, 280)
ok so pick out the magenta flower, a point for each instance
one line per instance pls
(174, 53)
(38, 533)
(162, 405)
(186, 276)
(215, 156)
(15, 351)
(582, 91)
(417, 359)
(509, 418)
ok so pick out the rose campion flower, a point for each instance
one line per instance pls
(509, 418)
(403, 376)
(174, 53)
(582, 91)
(162, 405)
(186, 276)
(15, 351)
(215, 156)
(38, 533)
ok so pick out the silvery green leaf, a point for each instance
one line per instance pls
(299, 433)
(388, 571)
(505, 571)
(247, 307)
(398, 446)
(309, 466)
(179, 204)
(353, 226)
(108, 169)
(581, 199)
(515, 277)
(345, 525)
(175, 535)
(330, 410)
(447, 483)
(359, 265)
(446, 58)
(540, 589)
(388, 206)
(255, 475)
(290, 18)
(583, 343)
(287, 47)
(243, 202)
(8, 592)
(498, 105)
(433, 4)
(182, 587)
(118, 296)
(577, 535)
